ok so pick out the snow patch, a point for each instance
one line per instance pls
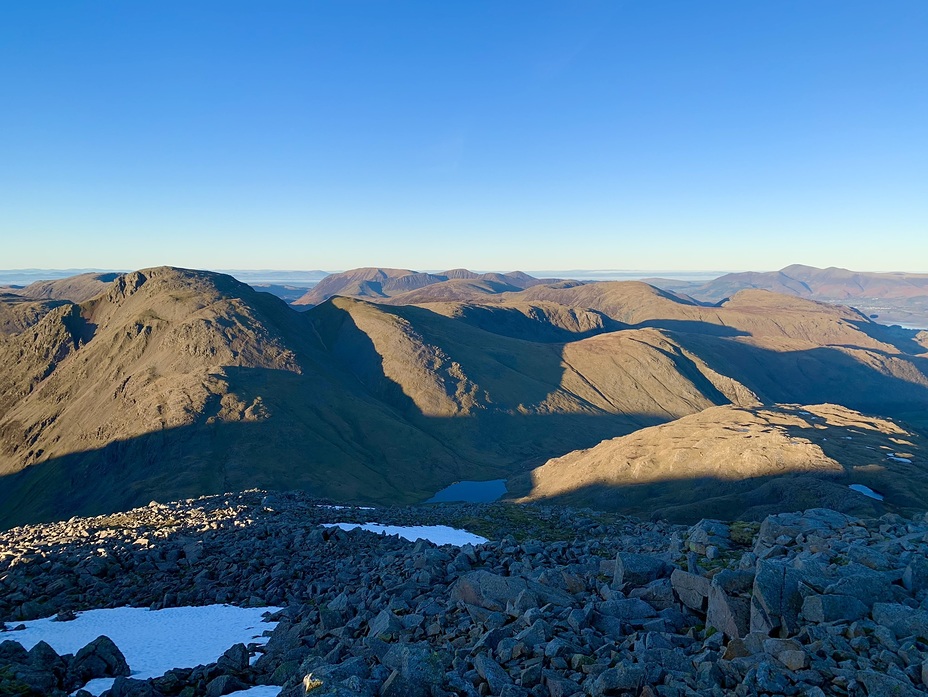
(153, 642)
(439, 534)
(259, 691)
(896, 458)
(342, 508)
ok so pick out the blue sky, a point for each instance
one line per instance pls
(494, 135)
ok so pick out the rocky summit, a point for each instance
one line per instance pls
(560, 602)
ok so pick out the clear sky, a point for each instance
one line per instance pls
(644, 134)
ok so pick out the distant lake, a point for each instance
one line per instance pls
(471, 492)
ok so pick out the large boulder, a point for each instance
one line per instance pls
(863, 583)
(902, 620)
(779, 527)
(129, 687)
(730, 614)
(37, 671)
(491, 671)
(638, 569)
(775, 599)
(832, 608)
(626, 677)
(418, 670)
(691, 589)
(626, 609)
(500, 593)
(488, 590)
(101, 658)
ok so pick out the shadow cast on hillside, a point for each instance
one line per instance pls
(398, 464)
(862, 461)
(815, 376)
(346, 431)
(692, 499)
(692, 327)
(899, 337)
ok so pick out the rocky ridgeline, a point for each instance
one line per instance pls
(567, 603)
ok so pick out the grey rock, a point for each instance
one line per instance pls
(537, 633)
(101, 658)
(901, 620)
(732, 581)
(336, 672)
(771, 678)
(863, 583)
(775, 599)
(708, 533)
(658, 594)
(638, 569)
(385, 624)
(728, 614)
(129, 687)
(626, 609)
(792, 524)
(832, 608)
(692, 589)
(915, 575)
(487, 590)
(558, 685)
(881, 685)
(491, 671)
(224, 685)
(505, 593)
(419, 667)
(234, 660)
(625, 677)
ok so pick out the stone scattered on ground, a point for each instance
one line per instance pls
(569, 603)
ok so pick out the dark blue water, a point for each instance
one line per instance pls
(471, 492)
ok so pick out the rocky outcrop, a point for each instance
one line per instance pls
(41, 671)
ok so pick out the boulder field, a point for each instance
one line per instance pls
(560, 602)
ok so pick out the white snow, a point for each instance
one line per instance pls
(896, 458)
(866, 491)
(439, 534)
(341, 508)
(153, 642)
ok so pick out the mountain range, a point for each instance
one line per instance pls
(380, 283)
(892, 298)
(168, 383)
(889, 298)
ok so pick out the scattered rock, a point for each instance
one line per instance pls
(818, 604)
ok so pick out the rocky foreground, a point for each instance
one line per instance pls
(561, 602)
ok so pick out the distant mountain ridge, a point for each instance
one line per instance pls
(892, 297)
(382, 283)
